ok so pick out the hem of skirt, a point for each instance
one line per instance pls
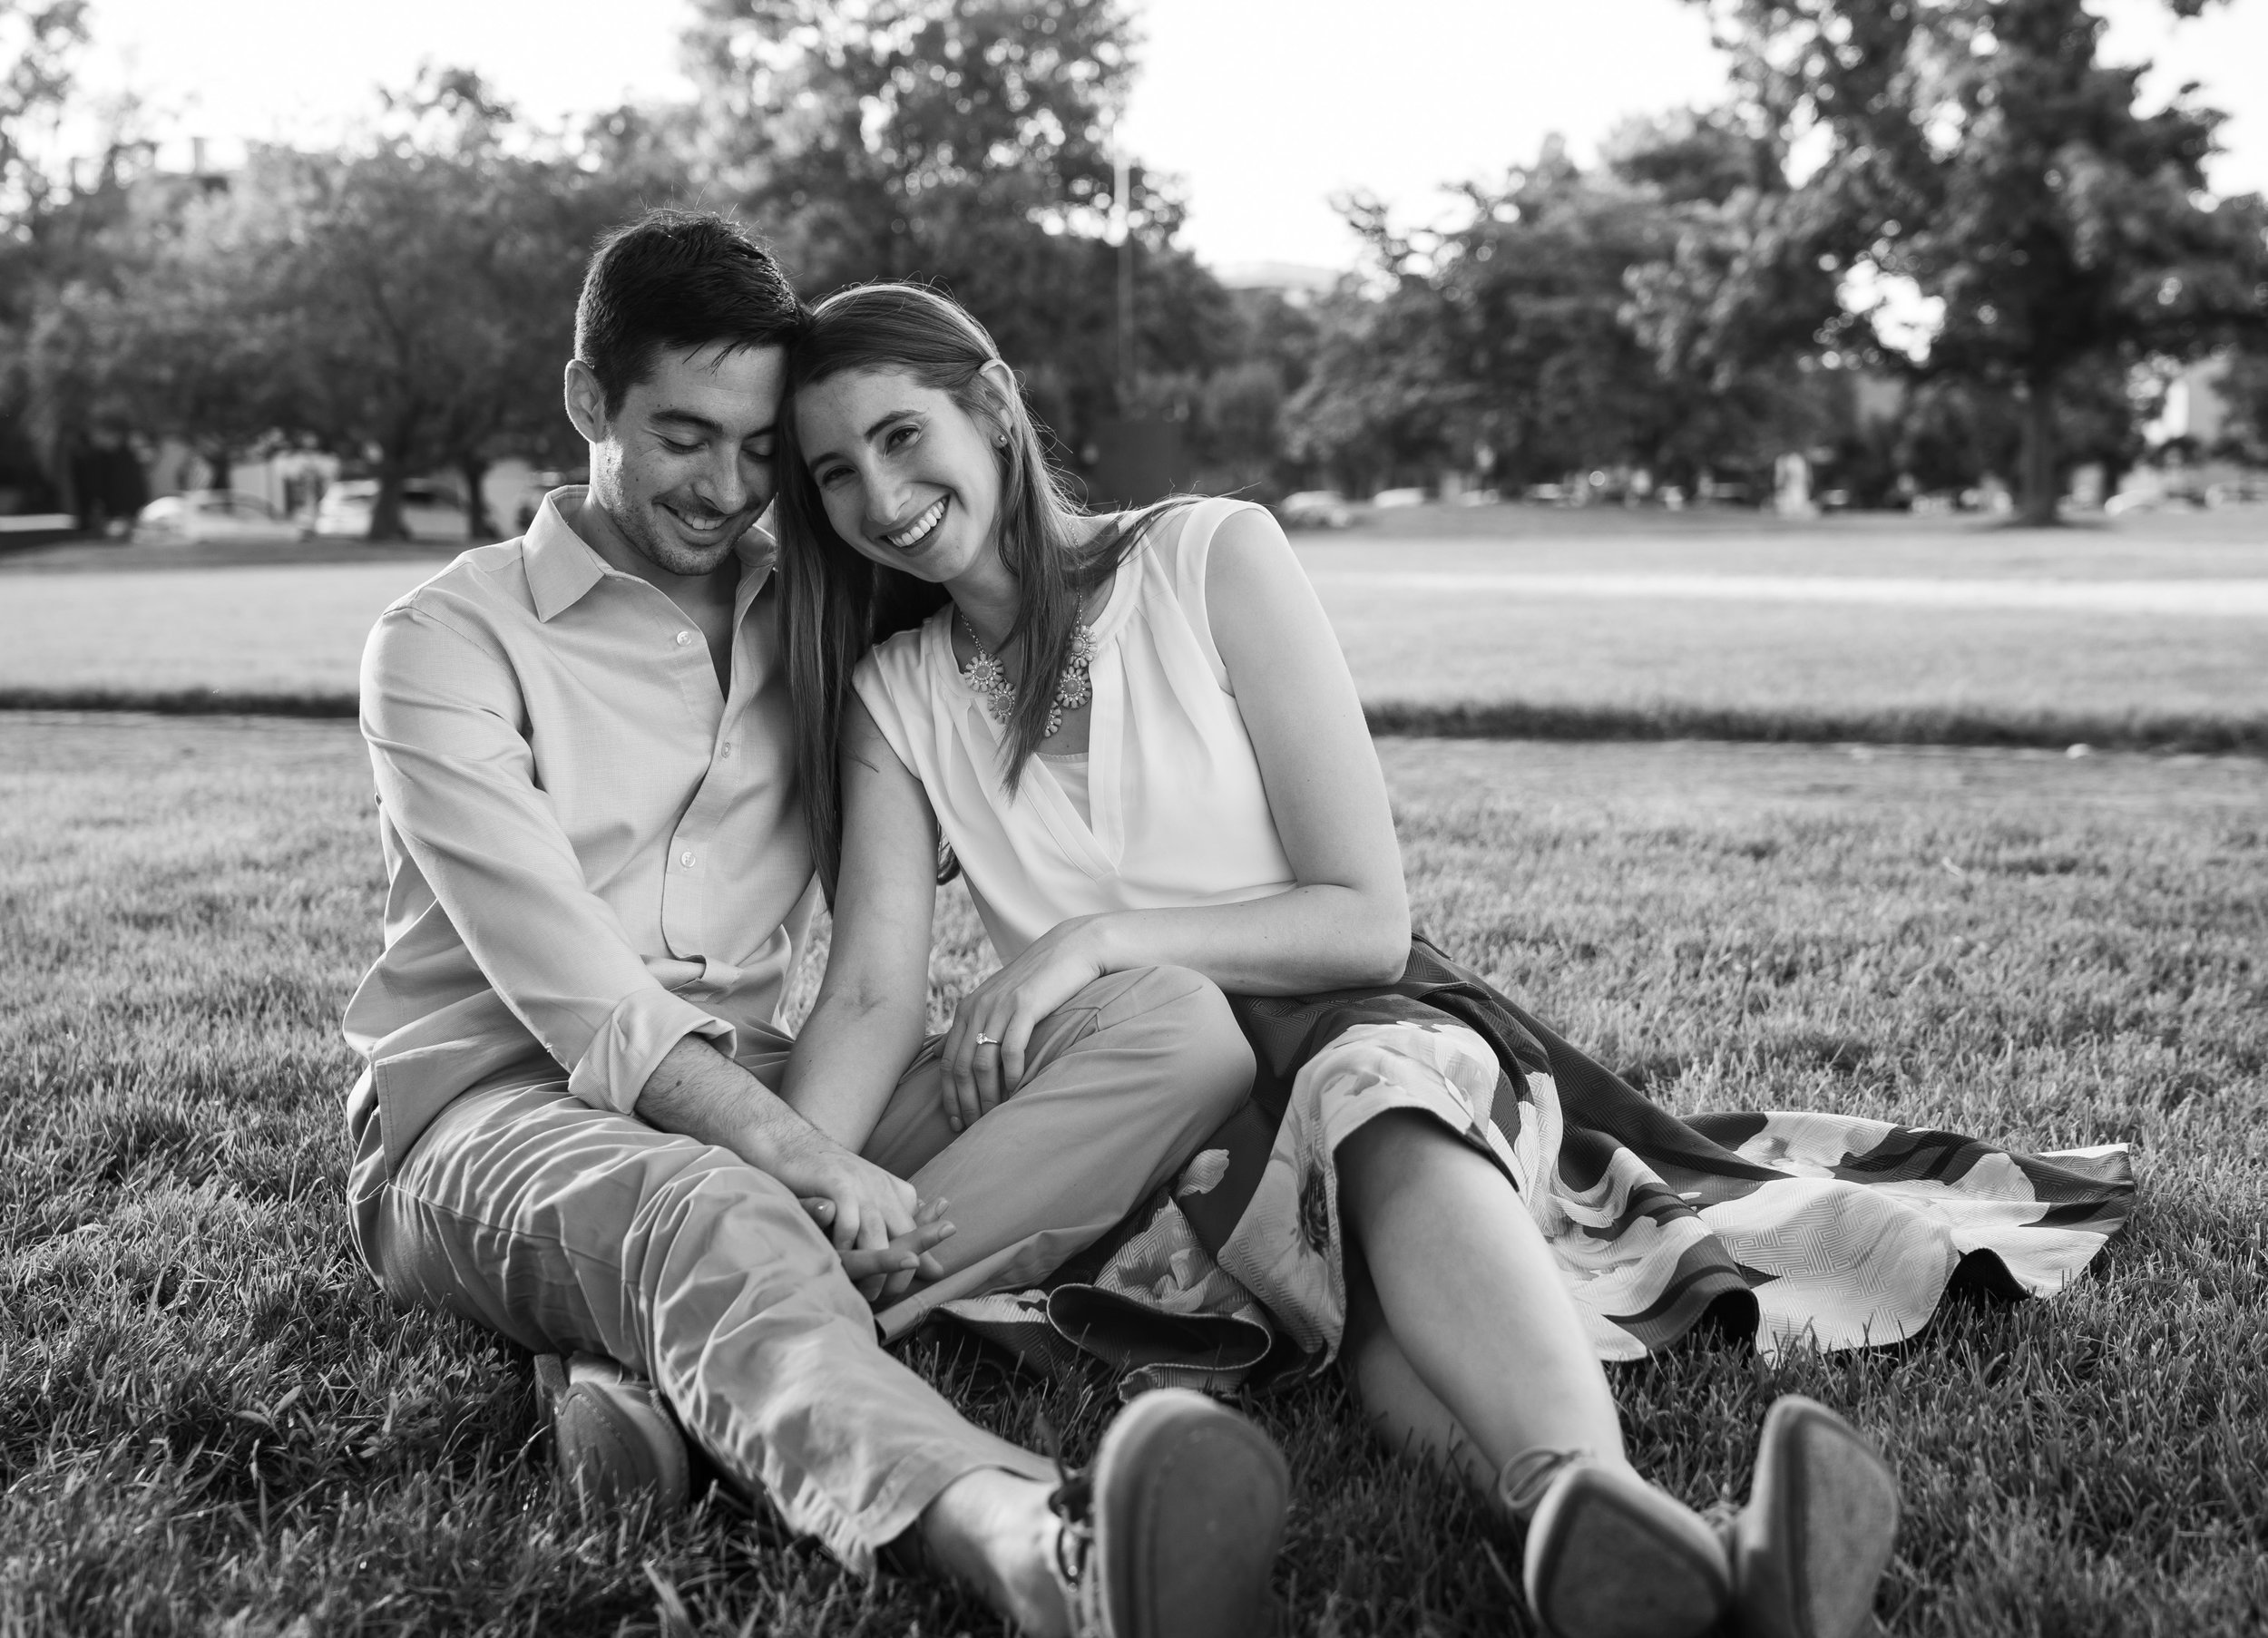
(1330, 1338)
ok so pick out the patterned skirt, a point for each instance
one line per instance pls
(1796, 1229)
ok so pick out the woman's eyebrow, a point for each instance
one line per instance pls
(884, 420)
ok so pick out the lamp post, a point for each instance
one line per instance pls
(1122, 229)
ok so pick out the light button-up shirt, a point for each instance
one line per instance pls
(592, 850)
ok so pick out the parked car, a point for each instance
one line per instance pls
(1315, 509)
(209, 515)
(428, 512)
(1387, 498)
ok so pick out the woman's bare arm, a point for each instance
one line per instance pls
(1348, 921)
(866, 1024)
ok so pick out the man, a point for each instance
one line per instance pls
(598, 878)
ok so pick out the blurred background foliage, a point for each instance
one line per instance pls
(1918, 243)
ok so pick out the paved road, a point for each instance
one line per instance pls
(2217, 598)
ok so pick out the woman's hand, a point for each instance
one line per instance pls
(991, 1029)
(867, 1209)
(885, 1275)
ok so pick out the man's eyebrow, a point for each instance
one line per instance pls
(702, 423)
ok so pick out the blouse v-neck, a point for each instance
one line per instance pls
(1095, 839)
(1176, 812)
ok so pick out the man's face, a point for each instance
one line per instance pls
(684, 466)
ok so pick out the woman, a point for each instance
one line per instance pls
(1136, 736)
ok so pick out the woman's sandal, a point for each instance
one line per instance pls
(1609, 1555)
(1811, 1545)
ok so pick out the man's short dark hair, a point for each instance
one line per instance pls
(679, 279)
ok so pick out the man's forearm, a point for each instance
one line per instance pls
(697, 1090)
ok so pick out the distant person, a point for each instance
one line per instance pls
(1135, 737)
(598, 877)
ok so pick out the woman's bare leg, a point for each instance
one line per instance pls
(1474, 1339)
(1402, 1412)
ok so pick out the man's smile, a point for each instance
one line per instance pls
(702, 524)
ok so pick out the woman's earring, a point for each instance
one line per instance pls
(999, 440)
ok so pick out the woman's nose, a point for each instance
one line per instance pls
(886, 499)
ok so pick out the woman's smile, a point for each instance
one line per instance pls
(919, 532)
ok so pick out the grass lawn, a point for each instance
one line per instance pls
(210, 1422)
(1525, 655)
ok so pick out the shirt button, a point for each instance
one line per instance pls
(684, 638)
(727, 750)
(686, 860)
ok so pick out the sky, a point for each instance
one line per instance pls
(1265, 109)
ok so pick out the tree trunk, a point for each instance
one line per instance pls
(2039, 488)
(221, 468)
(387, 522)
(478, 527)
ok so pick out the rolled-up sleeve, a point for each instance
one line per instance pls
(456, 777)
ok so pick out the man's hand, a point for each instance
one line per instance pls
(991, 1029)
(699, 1091)
(887, 1274)
(870, 1208)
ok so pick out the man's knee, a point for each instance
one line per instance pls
(735, 1236)
(1183, 1017)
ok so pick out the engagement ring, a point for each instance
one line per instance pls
(985, 1040)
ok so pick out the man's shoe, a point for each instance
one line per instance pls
(1173, 1533)
(1811, 1545)
(1610, 1556)
(616, 1441)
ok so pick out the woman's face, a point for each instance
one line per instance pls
(908, 476)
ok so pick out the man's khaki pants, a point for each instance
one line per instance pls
(568, 1228)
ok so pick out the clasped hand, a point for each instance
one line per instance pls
(884, 1234)
(986, 1051)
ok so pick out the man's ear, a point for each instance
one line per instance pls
(586, 401)
(1001, 384)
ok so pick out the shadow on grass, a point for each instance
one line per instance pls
(2213, 735)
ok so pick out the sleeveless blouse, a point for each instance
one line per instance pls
(1176, 813)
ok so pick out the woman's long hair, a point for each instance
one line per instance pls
(836, 604)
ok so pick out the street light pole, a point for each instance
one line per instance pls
(1122, 224)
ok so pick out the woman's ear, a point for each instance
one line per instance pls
(1000, 383)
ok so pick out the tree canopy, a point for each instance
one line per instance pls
(1980, 151)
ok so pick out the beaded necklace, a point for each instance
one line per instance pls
(988, 679)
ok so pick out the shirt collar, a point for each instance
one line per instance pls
(561, 567)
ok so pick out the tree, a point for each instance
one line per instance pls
(1508, 341)
(38, 42)
(431, 279)
(190, 338)
(2244, 388)
(965, 143)
(1978, 149)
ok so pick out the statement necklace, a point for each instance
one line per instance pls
(988, 679)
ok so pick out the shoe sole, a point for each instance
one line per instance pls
(1813, 1543)
(1189, 1500)
(1608, 1556)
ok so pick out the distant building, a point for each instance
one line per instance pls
(1295, 282)
(2194, 409)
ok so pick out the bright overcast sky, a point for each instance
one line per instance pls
(1264, 108)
